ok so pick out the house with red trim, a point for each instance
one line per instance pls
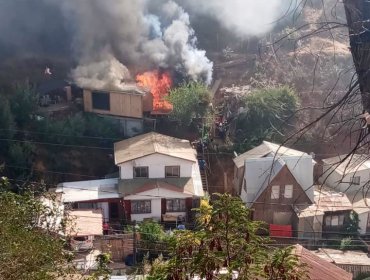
(159, 177)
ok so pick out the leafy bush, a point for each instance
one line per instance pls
(266, 112)
(346, 243)
(190, 100)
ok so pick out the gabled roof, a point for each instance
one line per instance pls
(276, 167)
(353, 163)
(139, 185)
(151, 143)
(318, 268)
(266, 149)
(259, 173)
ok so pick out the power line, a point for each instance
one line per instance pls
(56, 144)
(58, 134)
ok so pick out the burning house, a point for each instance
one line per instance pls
(132, 102)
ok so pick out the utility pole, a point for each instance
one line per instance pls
(358, 21)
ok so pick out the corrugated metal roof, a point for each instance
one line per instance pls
(88, 190)
(343, 257)
(85, 222)
(330, 201)
(360, 203)
(150, 143)
(138, 185)
(277, 166)
(264, 150)
(318, 268)
(351, 164)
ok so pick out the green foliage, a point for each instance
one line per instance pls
(28, 251)
(20, 154)
(103, 271)
(266, 113)
(23, 104)
(151, 231)
(6, 118)
(226, 243)
(190, 100)
(352, 225)
(346, 243)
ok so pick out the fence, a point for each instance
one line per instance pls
(119, 245)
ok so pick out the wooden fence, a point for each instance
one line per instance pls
(119, 245)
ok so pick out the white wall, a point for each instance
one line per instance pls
(105, 209)
(155, 214)
(363, 222)
(340, 182)
(156, 164)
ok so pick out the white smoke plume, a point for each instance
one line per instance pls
(243, 17)
(115, 32)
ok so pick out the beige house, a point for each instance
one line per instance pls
(128, 106)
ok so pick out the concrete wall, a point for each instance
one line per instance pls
(156, 164)
(121, 104)
(342, 183)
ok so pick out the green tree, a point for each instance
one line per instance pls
(27, 249)
(266, 112)
(352, 225)
(23, 104)
(226, 244)
(7, 124)
(190, 100)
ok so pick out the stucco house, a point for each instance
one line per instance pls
(159, 177)
(346, 174)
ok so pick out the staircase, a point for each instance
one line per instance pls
(203, 173)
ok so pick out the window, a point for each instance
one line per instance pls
(141, 206)
(175, 205)
(87, 205)
(355, 180)
(275, 191)
(288, 191)
(100, 100)
(172, 171)
(334, 221)
(141, 172)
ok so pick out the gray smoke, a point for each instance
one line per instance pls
(112, 33)
(242, 17)
(106, 35)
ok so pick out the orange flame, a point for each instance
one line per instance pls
(159, 85)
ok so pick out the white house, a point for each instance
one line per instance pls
(159, 176)
(265, 150)
(94, 194)
(272, 180)
(346, 175)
